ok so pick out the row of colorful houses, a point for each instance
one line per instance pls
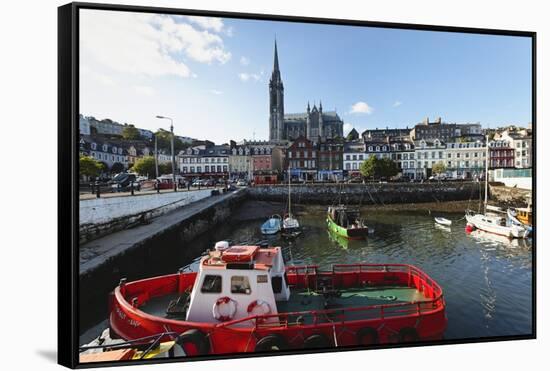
(326, 159)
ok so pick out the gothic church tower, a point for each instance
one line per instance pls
(276, 102)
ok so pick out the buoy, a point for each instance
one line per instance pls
(469, 228)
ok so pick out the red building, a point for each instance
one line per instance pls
(501, 155)
(301, 158)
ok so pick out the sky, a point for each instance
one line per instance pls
(211, 75)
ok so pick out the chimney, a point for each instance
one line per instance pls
(426, 121)
(439, 120)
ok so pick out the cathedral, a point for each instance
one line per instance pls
(314, 124)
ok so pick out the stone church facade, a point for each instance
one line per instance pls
(314, 124)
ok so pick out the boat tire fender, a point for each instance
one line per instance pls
(408, 335)
(195, 337)
(317, 341)
(367, 336)
(271, 343)
(224, 301)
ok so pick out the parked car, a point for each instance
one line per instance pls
(241, 183)
(123, 182)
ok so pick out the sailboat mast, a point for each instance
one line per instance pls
(486, 169)
(289, 212)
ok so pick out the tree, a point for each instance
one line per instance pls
(369, 167)
(117, 167)
(374, 167)
(387, 167)
(145, 166)
(165, 168)
(439, 168)
(89, 166)
(130, 132)
(164, 138)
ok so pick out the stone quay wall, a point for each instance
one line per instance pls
(370, 193)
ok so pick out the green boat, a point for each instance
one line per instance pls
(346, 222)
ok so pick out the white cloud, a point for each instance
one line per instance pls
(244, 61)
(88, 74)
(146, 44)
(207, 23)
(216, 92)
(361, 107)
(250, 76)
(144, 90)
(397, 103)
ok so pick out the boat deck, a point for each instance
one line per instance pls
(304, 300)
(308, 300)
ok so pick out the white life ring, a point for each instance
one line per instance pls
(224, 309)
(259, 308)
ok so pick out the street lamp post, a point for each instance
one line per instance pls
(156, 158)
(172, 147)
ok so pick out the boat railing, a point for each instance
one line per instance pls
(338, 316)
(411, 271)
(415, 277)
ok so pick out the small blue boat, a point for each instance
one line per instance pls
(272, 225)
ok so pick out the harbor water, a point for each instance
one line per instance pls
(486, 279)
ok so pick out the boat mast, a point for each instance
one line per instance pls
(289, 213)
(486, 170)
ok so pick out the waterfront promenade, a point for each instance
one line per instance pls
(95, 253)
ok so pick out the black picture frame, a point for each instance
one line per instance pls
(68, 135)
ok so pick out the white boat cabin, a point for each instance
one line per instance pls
(237, 282)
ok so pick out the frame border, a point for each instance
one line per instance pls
(68, 213)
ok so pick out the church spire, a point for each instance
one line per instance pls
(276, 59)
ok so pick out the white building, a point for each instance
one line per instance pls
(106, 126)
(212, 161)
(428, 153)
(354, 155)
(466, 160)
(108, 153)
(84, 125)
(521, 142)
(146, 134)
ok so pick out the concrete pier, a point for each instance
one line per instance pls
(134, 253)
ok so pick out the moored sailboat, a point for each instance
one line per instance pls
(492, 222)
(291, 226)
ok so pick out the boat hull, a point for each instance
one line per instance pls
(391, 323)
(349, 233)
(508, 231)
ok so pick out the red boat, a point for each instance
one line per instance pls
(244, 299)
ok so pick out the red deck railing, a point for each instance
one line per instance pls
(408, 274)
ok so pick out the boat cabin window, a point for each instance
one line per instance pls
(212, 284)
(240, 285)
(277, 284)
